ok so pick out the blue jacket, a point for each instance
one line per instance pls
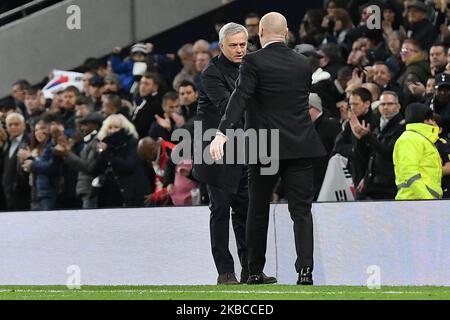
(47, 170)
(124, 70)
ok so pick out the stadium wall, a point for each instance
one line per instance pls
(408, 241)
(32, 47)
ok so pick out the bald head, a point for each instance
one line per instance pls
(273, 27)
(148, 149)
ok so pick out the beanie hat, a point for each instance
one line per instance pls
(417, 113)
(315, 102)
(139, 48)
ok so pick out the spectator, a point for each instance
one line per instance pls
(67, 112)
(375, 92)
(438, 58)
(379, 181)
(348, 142)
(87, 76)
(358, 55)
(19, 90)
(15, 184)
(83, 107)
(200, 46)
(201, 61)
(394, 45)
(41, 134)
(112, 104)
(33, 106)
(443, 146)
(47, 167)
(337, 27)
(383, 77)
(392, 17)
(95, 91)
(321, 80)
(83, 163)
(120, 175)
(328, 129)
(441, 101)
(332, 60)
(252, 26)
(188, 94)
(416, 67)
(112, 85)
(310, 30)
(340, 85)
(164, 126)
(156, 154)
(124, 69)
(144, 114)
(417, 163)
(420, 28)
(186, 55)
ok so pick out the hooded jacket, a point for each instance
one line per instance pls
(417, 163)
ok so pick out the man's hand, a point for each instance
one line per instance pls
(27, 165)
(148, 200)
(216, 147)
(117, 50)
(164, 122)
(417, 89)
(101, 146)
(359, 129)
(24, 154)
(178, 119)
(361, 186)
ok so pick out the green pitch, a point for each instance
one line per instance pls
(240, 292)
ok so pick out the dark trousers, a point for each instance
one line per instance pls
(297, 178)
(220, 203)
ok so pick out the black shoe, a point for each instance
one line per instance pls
(227, 278)
(244, 275)
(305, 277)
(261, 279)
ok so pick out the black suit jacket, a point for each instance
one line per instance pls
(218, 82)
(15, 182)
(274, 85)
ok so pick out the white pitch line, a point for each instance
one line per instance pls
(218, 291)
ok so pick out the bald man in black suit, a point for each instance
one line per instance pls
(273, 87)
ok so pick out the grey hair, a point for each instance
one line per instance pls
(15, 115)
(231, 29)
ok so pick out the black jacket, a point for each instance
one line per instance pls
(328, 129)
(423, 32)
(144, 115)
(380, 177)
(122, 171)
(218, 82)
(15, 181)
(357, 151)
(273, 87)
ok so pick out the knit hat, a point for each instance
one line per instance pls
(315, 102)
(417, 113)
(114, 78)
(308, 50)
(139, 48)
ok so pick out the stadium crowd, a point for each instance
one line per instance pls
(109, 145)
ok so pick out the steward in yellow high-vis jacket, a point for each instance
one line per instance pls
(417, 163)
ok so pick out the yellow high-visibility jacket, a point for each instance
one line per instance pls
(417, 163)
